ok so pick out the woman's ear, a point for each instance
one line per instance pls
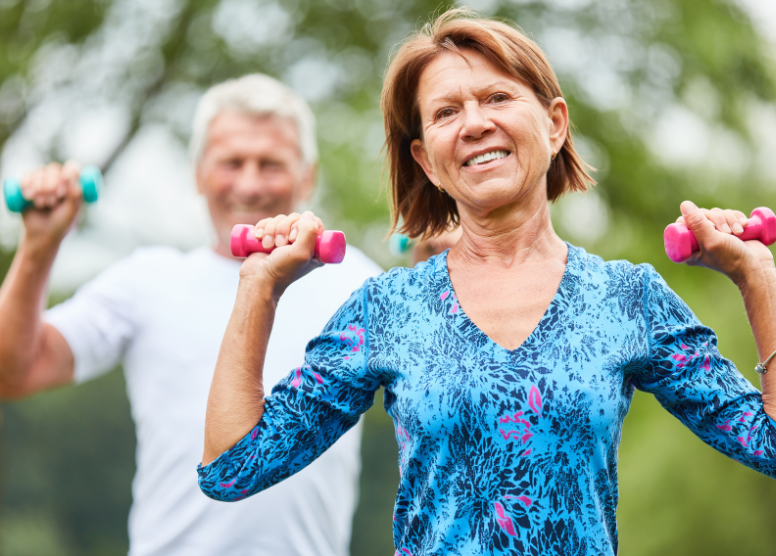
(421, 157)
(559, 123)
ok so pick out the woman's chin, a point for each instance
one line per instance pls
(495, 192)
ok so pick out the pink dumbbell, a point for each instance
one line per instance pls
(680, 243)
(330, 247)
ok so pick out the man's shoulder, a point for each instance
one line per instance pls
(142, 265)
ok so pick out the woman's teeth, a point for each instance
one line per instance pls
(487, 157)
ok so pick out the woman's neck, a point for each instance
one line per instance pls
(508, 236)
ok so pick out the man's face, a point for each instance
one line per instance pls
(251, 169)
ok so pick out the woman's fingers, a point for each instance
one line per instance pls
(283, 229)
(307, 215)
(717, 216)
(258, 229)
(307, 233)
(727, 221)
(268, 240)
(737, 221)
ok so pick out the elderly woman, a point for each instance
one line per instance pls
(509, 362)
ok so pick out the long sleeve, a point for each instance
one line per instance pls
(702, 389)
(307, 412)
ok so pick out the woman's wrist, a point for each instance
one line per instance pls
(759, 275)
(258, 290)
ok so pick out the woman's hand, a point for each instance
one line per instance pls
(294, 238)
(720, 250)
(56, 196)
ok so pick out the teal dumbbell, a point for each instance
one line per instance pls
(91, 184)
(399, 244)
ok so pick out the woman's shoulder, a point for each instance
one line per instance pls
(596, 266)
(403, 280)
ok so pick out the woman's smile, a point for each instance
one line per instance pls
(486, 160)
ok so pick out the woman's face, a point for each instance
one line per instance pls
(486, 137)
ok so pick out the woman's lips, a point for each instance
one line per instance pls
(488, 163)
(484, 158)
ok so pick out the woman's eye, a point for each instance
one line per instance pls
(499, 98)
(444, 113)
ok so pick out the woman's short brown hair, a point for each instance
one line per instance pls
(423, 209)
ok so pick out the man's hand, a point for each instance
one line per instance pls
(56, 196)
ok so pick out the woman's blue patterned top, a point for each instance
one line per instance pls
(502, 452)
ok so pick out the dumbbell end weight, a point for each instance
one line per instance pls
(329, 248)
(14, 200)
(679, 242)
(91, 185)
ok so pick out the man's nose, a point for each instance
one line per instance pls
(249, 180)
(476, 122)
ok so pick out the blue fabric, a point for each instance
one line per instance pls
(503, 452)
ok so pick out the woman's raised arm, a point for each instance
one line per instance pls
(236, 400)
(750, 265)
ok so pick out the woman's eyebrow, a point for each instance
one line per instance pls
(479, 91)
(502, 84)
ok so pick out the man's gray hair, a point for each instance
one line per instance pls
(259, 95)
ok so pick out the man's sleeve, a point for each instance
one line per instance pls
(696, 384)
(98, 321)
(307, 412)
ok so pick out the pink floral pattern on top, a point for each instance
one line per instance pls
(355, 339)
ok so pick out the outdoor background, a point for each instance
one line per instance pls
(672, 99)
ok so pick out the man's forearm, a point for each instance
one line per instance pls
(236, 400)
(22, 298)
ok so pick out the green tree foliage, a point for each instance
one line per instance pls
(672, 99)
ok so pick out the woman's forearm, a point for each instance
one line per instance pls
(759, 293)
(236, 400)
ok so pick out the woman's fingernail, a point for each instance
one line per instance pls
(267, 242)
(738, 228)
(259, 233)
(726, 229)
(292, 235)
(280, 240)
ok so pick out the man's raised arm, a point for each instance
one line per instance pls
(33, 355)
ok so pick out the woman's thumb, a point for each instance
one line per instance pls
(696, 221)
(307, 235)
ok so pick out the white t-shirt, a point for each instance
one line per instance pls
(164, 313)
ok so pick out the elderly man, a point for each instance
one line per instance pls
(163, 314)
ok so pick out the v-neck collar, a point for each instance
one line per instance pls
(552, 318)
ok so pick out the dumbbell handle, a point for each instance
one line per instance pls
(680, 243)
(329, 248)
(90, 180)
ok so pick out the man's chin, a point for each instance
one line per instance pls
(247, 217)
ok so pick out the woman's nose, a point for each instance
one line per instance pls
(476, 123)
